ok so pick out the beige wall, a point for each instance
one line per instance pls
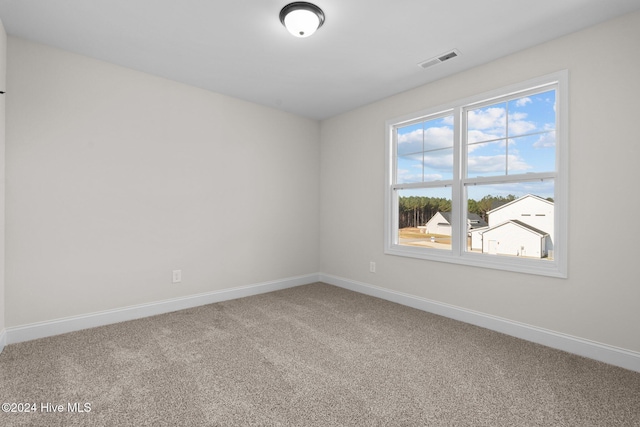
(115, 178)
(599, 300)
(3, 80)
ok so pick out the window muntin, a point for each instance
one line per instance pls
(425, 151)
(509, 143)
(514, 136)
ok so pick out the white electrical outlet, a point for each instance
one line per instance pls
(177, 276)
(372, 267)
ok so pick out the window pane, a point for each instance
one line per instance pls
(528, 123)
(487, 123)
(487, 159)
(486, 140)
(519, 219)
(410, 168)
(438, 133)
(535, 117)
(532, 114)
(410, 139)
(438, 165)
(424, 218)
(533, 153)
(425, 151)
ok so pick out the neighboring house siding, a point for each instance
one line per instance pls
(511, 238)
(438, 224)
(476, 238)
(529, 209)
(523, 227)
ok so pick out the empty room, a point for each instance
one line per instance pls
(336, 213)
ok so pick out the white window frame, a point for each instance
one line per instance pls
(458, 254)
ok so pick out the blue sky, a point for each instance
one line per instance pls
(506, 138)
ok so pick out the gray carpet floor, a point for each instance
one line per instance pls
(315, 355)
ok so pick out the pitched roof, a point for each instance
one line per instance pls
(476, 220)
(519, 199)
(521, 224)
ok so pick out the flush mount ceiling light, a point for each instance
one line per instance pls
(301, 18)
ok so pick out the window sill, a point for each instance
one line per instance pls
(542, 267)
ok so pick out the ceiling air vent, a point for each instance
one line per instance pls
(440, 58)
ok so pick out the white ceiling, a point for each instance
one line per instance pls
(366, 50)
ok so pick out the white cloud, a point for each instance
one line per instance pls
(495, 165)
(433, 177)
(491, 123)
(410, 142)
(444, 162)
(438, 137)
(517, 116)
(434, 138)
(490, 119)
(407, 176)
(479, 136)
(499, 143)
(523, 101)
(448, 120)
(546, 140)
(520, 127)
(517, 164)
(485, 164)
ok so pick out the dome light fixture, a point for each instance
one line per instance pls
(301, 18)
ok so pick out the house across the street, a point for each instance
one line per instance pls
(523, 227)
(440, 223)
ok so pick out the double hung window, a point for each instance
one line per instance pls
(483, 181)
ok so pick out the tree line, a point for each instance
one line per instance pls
(417, 210)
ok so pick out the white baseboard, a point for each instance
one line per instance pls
(3, 339)
(602, 352)
(75, 323)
